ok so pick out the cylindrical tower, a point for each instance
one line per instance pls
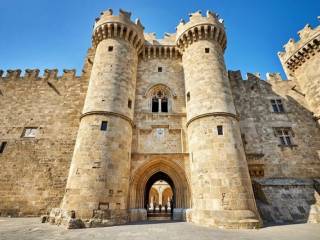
(98, 181)
(301, 62)
(221, 188)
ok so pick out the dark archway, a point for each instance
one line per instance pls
(154, 178)
(171, 171)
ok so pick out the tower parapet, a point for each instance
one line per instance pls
(118, 26)
(298, 53)
(301, 62)
(201, 27)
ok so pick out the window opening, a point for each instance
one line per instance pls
(277, 105)
(284, 136)
(30, 132)
(164, 105)
(220, 130)
(155, 105)
(160, 102)
(188, 96)
(104, 126)
(2, 146)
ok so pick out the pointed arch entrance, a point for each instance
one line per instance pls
(159, 176)
(159, 169)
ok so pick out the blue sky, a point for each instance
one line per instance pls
(57, 33)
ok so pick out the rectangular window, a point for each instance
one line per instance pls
(188, 96)
(2, 146)
(155, 105)
(220, 130)
(277, 105)
(129, 103)
(104, 126)
(159, 69)
(164, 105)
(285, 136)
(207, 50)
(110, 48)
(30, 132)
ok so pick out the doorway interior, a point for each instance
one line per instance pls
(160, 197)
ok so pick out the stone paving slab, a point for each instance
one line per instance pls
(32, 229)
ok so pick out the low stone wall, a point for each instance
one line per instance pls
(137, 214)
(288, 200)
(179, 214)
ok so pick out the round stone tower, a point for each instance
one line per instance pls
(221, 187)
(98, 181)
(301, 62)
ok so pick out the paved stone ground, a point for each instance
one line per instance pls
(32, 229)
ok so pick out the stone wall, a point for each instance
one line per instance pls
(308, 80)
(288, 200)
(159, 139)
(258, 123)
(34, 170)
(160, 132)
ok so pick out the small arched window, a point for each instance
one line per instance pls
(159, 102)
(160, 98)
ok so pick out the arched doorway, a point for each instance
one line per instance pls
(167, 195)
(149, 173)
(160, 194)
(153, 197)
(159, 208)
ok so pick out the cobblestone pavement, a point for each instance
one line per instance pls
(32, 229)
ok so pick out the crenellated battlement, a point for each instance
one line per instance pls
(160, 51)
(270, 77)
(168, 39)
(13, 73)
(118, 26)
(33, 74)
(297, 53)
(160, 48)
(274, 76)
(201, 27)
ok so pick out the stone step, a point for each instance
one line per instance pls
(159, 216)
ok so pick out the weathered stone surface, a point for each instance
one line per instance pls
(137, 215)
(287, 200)
(108, 171)
(35, 170)
(220, 181)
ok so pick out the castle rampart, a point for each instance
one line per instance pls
(143, 109)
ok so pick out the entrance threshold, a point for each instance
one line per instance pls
(159, 216)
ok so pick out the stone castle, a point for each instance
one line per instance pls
(236, 153)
